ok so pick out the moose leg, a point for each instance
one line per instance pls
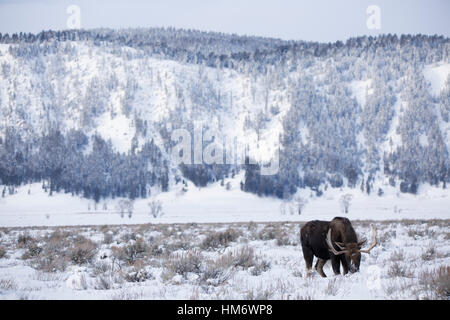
(344, 265)
(335, 263)
(308, 256)
(319, 267)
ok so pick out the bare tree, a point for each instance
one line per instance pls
(345, 202)
(125, 205)
(156, 208)
(300, 203)
(283, 206)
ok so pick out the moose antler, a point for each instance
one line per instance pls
(374, 241)
(330, 245)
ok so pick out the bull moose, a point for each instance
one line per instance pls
(335, 240)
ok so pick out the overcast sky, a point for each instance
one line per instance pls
(318, 20)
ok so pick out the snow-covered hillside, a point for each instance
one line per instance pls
(95, 204)
(90, 114)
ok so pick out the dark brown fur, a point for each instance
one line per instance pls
(313, 239)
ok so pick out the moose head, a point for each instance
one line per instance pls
(351, 250)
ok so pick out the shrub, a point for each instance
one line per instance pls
(108, 238)
(436, 283)
(216, 272)
(130, 252)
(283, 239)
(398, 255)
(129, 236)
(51, 263)
(244, 257)
(138, 274)
(155, 250)
(260, 267)
(58, 250)
(100, 268)
(429, 254)
(397, 270)
(219, 239)
(270, 232)
(33, 250)
(53, 256)
(82, 251)
(184, 263)
(24, 239)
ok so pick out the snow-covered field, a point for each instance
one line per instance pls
(213, 243)
(32, 206)
(217, 261)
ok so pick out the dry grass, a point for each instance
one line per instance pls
(398, 269)
(430, 253)
(7, 284)
(436, 283)
(184, 263)
(55, 251)
(216, 272)
(215, 257)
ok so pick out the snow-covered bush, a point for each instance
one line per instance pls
(270, 231)
(243, 257)
(216, 240)
(24, 240)
(130, 252)
(82, 251)
(184, 263)
(215, 272)
(139, 273)
(260, 267)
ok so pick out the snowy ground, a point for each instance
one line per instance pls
(213, 243)
(217, 261)
(32, 206)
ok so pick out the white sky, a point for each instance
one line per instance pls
(318, 20)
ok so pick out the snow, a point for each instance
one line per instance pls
(436, 75)
(392, 134)
(216, 204)
(402, 247)
(77, 280)
(160, 82)
(119, 130)
(360, 89)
